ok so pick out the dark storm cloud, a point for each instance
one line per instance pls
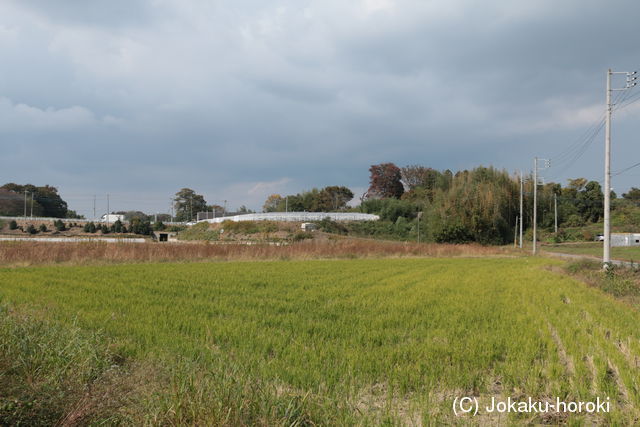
(241, 100)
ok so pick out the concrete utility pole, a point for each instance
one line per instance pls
(631, 82)
(25, 203)
(419, 216)
(94, 207)
(31, 204)
(107, 210)
(555, 212)
(286, 203)
(521, 205)
(535, 201)
(515, 235)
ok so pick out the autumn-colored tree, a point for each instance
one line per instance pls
(272, 203)
(385, 181)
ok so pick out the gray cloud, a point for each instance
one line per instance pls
(240, 100)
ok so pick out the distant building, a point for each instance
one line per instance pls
(625, 239)
(111, 218)
(308, 226)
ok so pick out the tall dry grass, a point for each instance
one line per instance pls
(37, 253)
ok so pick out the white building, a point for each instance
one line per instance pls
(111, 218)
(625, 239)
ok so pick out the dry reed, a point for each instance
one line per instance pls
(39, 253)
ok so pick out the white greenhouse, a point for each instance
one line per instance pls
(296, 217)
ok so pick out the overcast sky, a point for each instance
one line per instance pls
(240, 99)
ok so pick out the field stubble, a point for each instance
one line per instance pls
(36, 253)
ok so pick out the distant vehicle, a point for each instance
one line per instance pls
(599, 238)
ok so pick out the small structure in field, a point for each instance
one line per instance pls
(309, 226)
(625, 239)
(165, 236)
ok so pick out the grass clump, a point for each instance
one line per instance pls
(55, 374)
(619, 281)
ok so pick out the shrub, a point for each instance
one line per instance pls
(43, 228)
(139, 226)
(117, 227)
(302, 235)
(104, 229)
(59, 225)
(89, 227)
(329, 226)
(31, 229)
(13, 225)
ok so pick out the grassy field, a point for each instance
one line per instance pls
(595, 249)
(330, 341)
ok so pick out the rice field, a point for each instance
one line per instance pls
(347, 342)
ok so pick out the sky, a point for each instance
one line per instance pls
(241, 99)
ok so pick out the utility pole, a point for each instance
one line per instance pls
(521, 205)
(535, 201)
(224, 212)
(419, 216)
(191, 209)
(286, 203)
(94, 207)
(555, 212)
(31, 204)
(515, 235)
(631, 82)
(107, 210)
(25, 203)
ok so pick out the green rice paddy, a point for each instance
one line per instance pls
(349, 342)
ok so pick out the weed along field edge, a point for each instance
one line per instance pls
(318, 342)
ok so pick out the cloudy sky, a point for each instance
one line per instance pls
(240, 99)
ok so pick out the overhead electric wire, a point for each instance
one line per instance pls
(576, 150)
(620, 172)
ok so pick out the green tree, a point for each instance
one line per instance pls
(117, 226)
(332, 198)
(187, 204)
(590, 202)
(633, 194)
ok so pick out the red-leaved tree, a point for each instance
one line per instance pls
(385, 181)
